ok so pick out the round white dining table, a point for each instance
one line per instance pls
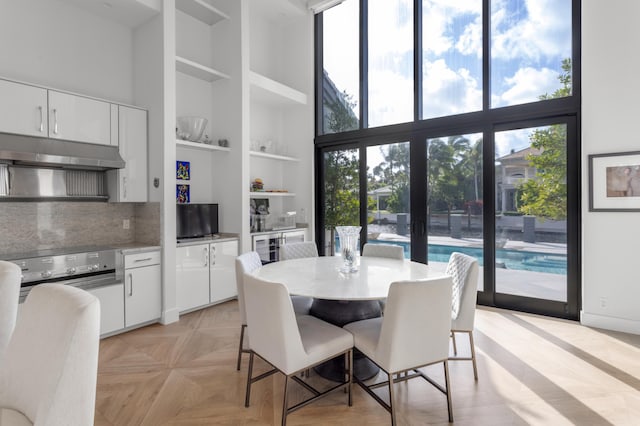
(321, 277)
(341, 298)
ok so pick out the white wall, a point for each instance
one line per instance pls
(54, 44)
(610, 111)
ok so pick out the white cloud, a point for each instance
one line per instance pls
(448, 91)
(526, 85)
(390, 98)
(515, 140)
(470, 42)
(542, 33)
(439, 16)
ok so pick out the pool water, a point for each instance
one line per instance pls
(508, 259)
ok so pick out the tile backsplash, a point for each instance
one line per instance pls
(28, 226)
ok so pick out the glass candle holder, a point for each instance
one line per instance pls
(349, 237)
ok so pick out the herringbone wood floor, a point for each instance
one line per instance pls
(532, 370)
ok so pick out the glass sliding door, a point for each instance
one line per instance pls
(531, 212)
(341, 193)
(388, 190)
(455, 199)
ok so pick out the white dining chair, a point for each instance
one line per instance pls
(298, 250)
(49, 371)
(246, 263)
(464, 271)
(10, 278)
(413, 333)
(392, 251)
(290, 343)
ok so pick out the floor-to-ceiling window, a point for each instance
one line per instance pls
(453, 126)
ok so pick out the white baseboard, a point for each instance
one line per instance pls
(610, 323)
(170, 316)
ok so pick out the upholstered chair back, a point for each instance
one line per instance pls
(9, 295)
(272, 321)
(245, 263)
(392, 251)
(298, 250)
(49, 371)
(416, 324)
(464, 271)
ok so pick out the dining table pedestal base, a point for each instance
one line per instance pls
(340, 313)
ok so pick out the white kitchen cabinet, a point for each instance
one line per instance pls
(111, 307)
(37, 111)
(192, 276)
(130, 184)
(222, 279)
(205, 273)
(143, 288)
(77, 118)
(23, 109)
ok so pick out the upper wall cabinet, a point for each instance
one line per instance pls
(23, 109)
(36, 111)
(130, 184)
(76, 118)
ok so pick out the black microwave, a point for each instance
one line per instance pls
(196, 220)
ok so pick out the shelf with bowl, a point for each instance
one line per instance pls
(202, 146)
(197, 70)
(272, 156)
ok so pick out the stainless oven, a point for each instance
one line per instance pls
(83, 267)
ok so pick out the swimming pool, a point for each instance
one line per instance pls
(509, 259)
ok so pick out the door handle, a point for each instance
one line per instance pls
(130, 285)
(55, 121)
(206, 256)
(41, 127)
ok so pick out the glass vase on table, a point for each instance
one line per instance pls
(349, 237)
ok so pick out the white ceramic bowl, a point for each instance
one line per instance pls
(191, 128)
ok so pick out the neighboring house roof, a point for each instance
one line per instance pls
(385, 190)
(520, 156)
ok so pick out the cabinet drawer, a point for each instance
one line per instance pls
(141, 259)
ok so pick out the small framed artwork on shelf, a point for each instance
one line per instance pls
(183, 170)
(614, 182)
(182, 193)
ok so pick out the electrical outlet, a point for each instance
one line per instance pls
(603, 302)
(125, 224)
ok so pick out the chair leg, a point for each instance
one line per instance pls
(242, 327)
(392, 406)
(284, 402)
(453, 339)
(448, 389)
(473, 355)
(248, 391)
(350, 374)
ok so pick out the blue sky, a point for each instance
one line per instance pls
(529, 39)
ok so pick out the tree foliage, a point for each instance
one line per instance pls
(393, 172)
(546, 195)
(341, 179)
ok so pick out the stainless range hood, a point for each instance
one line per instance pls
(58, 153)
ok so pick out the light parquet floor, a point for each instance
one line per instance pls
(532, 370)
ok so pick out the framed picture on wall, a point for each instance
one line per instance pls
(614, 182)
(182, 193)
(183, 170)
